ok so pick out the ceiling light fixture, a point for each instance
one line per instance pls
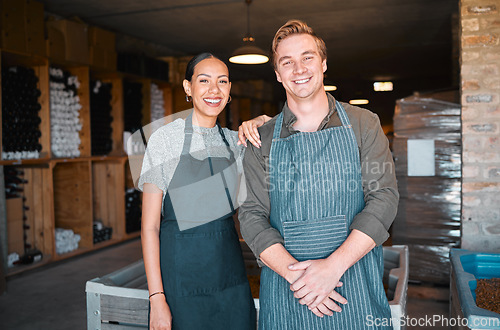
(358, 101)
(382, 86)
(248, 53)
(330, 88)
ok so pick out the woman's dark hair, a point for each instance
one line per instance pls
(194, 61)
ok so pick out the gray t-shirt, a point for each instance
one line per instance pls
(165, 147)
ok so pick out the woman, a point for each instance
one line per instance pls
(194, 265)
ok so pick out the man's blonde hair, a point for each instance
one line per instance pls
(292, 27)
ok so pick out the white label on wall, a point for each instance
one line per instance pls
(126, 137)
(421, 159)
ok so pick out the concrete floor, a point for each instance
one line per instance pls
(427, 303)
(53, 297)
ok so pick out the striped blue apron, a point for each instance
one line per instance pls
(315, 191)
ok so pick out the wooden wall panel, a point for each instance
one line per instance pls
(73, 199)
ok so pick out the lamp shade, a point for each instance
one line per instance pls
(249, 54)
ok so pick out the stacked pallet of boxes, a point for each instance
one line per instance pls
(427, 136)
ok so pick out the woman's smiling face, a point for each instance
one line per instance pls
(209, 88)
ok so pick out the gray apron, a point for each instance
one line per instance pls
(202, 268)
(316, 190)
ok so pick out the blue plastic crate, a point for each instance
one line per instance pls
(467, 268)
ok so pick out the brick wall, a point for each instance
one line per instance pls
(480, 86)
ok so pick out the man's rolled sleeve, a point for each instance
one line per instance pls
(379, 183)
(254, 212)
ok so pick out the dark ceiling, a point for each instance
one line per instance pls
(406, 41)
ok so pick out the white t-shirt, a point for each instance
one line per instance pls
(165, 145)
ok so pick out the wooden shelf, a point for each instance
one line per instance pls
(71, 254)
(107, 243)
(18, 269)
(108, 179)
(72, 192)
(133, 235)
(40, 65)
(35, 161)
(14, 58)
(102, 74)
(45, 161)
(89, 158)
(73, 199)
(121, 158)
(67, 64)
(29, 217)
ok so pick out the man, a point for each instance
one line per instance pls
(321, 196)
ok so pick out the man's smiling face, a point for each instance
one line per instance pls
(299, 66)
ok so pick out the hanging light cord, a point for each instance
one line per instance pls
(248, 16)
(248, 37)
(249, 53)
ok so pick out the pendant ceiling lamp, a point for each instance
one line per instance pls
(248, 53)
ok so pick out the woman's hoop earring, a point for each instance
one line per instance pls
(188, 98)
(229, 100)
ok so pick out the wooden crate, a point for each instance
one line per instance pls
(73, 199)
(167, 98)
(70, 193)
(166, 88)
(116, 81)
(129, 184)
(13, 25)
(118, 300)
(38, 214)
(179, 100)
(146, 101)
(14, 208)
(109, 195)
(82, 72)
(41, 67)
(22, 26)
(75, 39)
(117, 113)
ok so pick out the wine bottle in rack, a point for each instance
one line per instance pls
(100, 118)
(20, 118)
(132, 106)
(157, 103)
(132, 210)
(64, 113)
(13, 182)
(29, 257)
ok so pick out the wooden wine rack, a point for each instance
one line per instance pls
(72, 192)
